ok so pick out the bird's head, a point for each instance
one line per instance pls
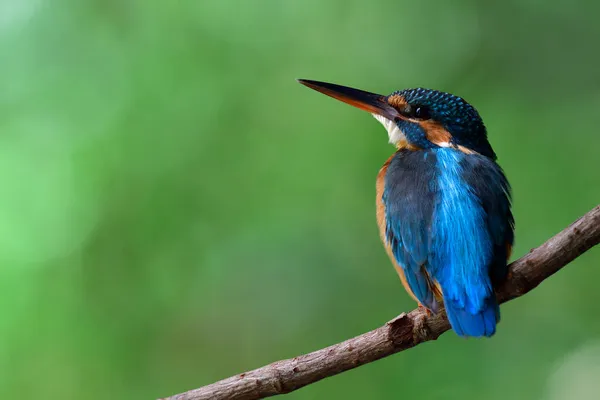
(418, 118)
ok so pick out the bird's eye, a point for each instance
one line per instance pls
(421, 112)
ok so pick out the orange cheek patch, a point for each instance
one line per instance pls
(435, 132)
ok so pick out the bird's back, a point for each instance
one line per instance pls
(445, 219)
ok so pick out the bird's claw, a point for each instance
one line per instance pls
(420, 328)
(424, 309)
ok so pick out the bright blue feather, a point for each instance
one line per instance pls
(463, 250)
(448, 220)
(463, 247)
(482, 323)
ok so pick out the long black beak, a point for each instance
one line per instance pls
(371, 102)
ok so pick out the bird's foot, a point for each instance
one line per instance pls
(420, 328)
(425, 310)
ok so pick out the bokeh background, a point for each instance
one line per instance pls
(176, 209)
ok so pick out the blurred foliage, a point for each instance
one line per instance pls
(176, 208)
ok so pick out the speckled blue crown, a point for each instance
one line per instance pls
(456, 115)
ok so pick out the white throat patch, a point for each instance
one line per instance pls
(394, 133)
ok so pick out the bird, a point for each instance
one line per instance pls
(443, 204)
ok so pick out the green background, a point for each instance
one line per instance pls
(176, 209)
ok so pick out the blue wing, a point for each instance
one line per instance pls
(408, 198)
(487, 182)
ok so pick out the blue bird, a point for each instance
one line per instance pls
(443, 203)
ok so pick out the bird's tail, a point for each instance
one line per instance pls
(466, 323)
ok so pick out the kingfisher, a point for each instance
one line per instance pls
(443, 204)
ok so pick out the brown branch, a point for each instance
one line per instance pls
(403, 332)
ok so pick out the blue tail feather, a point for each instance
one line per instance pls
(482, 323)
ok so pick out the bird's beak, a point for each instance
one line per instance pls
(371, 102)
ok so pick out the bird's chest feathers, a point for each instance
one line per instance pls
(459, 216)
(428, 189)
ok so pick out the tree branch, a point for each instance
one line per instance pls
(403, 332)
